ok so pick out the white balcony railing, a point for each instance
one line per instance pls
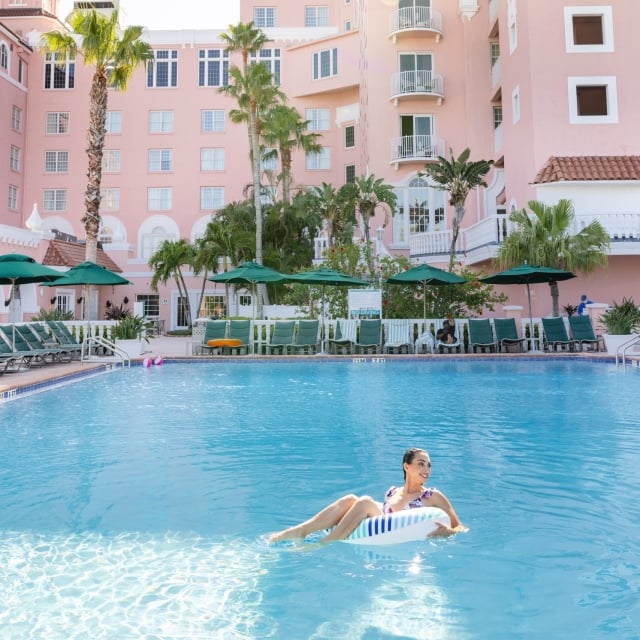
(411, 18)
(417, 82)
(416, 148)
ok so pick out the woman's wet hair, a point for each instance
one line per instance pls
(408, 457)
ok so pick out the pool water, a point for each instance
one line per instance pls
(137, 504)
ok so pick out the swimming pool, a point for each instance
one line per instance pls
(136, 504)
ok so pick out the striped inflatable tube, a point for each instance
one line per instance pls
(402, 526)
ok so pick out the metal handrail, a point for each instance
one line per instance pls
(621, 351)
(119, 353)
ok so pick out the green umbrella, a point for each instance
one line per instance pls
(322, 277)
(249, 273)
(88, 273)
(528, 274)
(17, 269)
(425, 274)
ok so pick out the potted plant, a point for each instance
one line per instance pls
(129, 333)
(620, 321)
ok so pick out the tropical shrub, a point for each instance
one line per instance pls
(622, 318)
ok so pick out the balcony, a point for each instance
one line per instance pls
(412, 84)
(415, 21)
(420, 148)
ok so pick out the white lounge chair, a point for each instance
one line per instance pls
(398, 337)
(425, 343)
(345, 337)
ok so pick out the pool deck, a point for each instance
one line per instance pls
(38, 378)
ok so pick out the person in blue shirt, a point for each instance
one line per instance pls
(584, 301)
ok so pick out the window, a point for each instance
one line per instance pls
(54, 200)
(350, 173)
(244, 300)
(215, 306)
(593, 100)
(325, 63)
(316, 16)
(211, 198)
(320, 160)
(160, 121)
(264, 17)
(495, 52)
(271, 59)
(213, 68)
(114, 122)
(160, 160)
(151, 241)
(59, 71)
(150, 303)
(14, 158)
(111, 161)
(159, 198)
(12, 198)
(269, 160)
(349, 136)
(110, 199)
(211, 120)
(497, 116)
(163, 70)
(57, 122)
(347, 25)
(22, 71)
(588, 29)
(56, 161)
(16, 118)
(212, 159)
(512, 24)
(4, 56)
(318, 119)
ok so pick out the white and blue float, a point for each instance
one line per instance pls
(408, 525)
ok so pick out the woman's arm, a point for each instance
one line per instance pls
(438, 499)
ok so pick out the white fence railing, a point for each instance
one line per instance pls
(415, 18)
(417, 81)
(418, 147)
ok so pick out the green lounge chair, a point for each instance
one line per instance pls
(398, 337)
(65, 338)
(344, 339)
(18, 345)
(481, 335)
(43, 341)
(282, 337)
(584, 335)
(306, 337)
(507, 335)
(10, 361)
(555, 335)
(239, 330)
(214, 330)
(370, 338)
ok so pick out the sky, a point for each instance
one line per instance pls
(162, 14)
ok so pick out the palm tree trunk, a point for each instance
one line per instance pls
(455, 232)
(286, 176)
(555, 295)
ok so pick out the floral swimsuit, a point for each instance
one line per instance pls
(416, 503)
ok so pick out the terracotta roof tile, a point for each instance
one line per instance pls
(61, 253)
(583, 168)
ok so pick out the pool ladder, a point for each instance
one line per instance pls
(120, 355)
(621, 352)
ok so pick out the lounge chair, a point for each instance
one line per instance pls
(370, 337)
(507, 335)
(425, 342)
(64, 338)
(10, 361)
(555, 335)
(306, 337)
(344, 339)
(398, 337)
(448, 347)
(583, 334)
(239, 330)
(481, 336)
(214, 330)
(18, 345)
(282, 337)
(40, 339)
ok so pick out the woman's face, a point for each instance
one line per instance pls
(420, 467)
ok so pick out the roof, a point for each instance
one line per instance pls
(61, 253)
(589, 168)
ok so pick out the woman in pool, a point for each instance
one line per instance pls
(346, 513)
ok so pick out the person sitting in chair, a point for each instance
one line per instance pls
(447, 334)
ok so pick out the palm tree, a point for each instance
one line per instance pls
(369, 193)
(333, 205)
(284, 129)
(167, 262)
(545, 239)
(458, 176)
(114, 56)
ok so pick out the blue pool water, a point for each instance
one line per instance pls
(136, 504)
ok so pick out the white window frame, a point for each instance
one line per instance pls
(270, 163)
(512, 24)
(265, 17)
(14, 158)
(347, 127)
(214, 61)
(12, 197)
(62, 63)
(319, 161)
(212, 159)
(160, 121)
(56, 161)
(111, 161)
(609, 82)
(4, 57)
(270, 58)
(211, 198)
(317, 64)
(316, 15)
(57, 123)
(159, 198)
(212, 121)
(605, 12)
(160, 160)
(16, 118)
(54, 200)
(319, 119)
(113, 123)
(154, 66)
(110, 199)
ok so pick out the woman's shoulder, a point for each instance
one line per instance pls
(390, 491)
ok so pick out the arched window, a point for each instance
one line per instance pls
(106, 235)
(151, 241)
(4, 56)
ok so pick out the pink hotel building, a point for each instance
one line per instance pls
(548, 89)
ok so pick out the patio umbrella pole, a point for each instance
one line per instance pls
(531, 338)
